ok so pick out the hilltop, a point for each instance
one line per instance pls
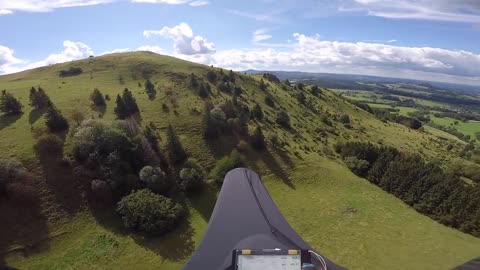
(348, 219)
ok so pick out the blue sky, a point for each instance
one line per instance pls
(422, 39)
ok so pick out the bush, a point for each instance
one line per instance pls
(283, 119)
(191, 176)
(11, 171)
(49, 146)
(211, 76)
(269, 101)
(358, 166)
(154, 179)
(257, 112)
(148, 212)
(225, 165)
(345, 119)
(72, 71)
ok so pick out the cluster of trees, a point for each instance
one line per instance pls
(9, 104)
(386, 115)
(461, 116)
(231, 116)
(425, 186)
(271, 77)
(126, 105)
(202, 89)
(72, 71)
(54, 119)
(39, 99)
(126, 166)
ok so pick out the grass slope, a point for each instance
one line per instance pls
(347, 219)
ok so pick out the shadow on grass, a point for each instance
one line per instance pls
(176, 246)
(23, 227)
(7, 120)
(204, 201)
(222, 146)
(62, 183)
(34, 115)
(275, 167)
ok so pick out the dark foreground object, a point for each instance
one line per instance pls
(471, 265)
(245, 217)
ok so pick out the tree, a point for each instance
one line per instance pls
(193, 81)
(300, 97)
(97, 98)
(9, 104)
(175, 148)
(150, 133)
(77, 116)
(358, 166)
(148, 212)
(55, 120)
(269, 101)
(49, 146)
(211, 76)
(257, 112)
(150, 89)
(154, 179)
(121, 109)
(263, 85)
(283, 119)
(315, 90)
(202, 91)
(191, 176)
(39, 99)
(231, 74)
(130, 102)
(287, 83)
(225, 165)
(258, 139)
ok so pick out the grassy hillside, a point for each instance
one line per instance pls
(349, 220)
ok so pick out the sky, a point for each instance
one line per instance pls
(436, 40)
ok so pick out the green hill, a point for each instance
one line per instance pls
(349, 220)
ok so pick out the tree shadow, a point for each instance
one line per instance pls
(275, 167)
(23, 226)
(177, 246)
(7, 120)
(286, 159)
(100, 110)
(222, 145)
(62, 183)
(204, 202)
(34, 115)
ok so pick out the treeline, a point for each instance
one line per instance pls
(461, 116)
(451, 130)
(386, 115)
(424, 186)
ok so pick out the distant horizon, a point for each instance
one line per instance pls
(431, 40)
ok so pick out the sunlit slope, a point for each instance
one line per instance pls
(347, 219)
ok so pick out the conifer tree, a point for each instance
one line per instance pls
(258, 139)
(175, 148)
(97, 98)
(9, 104)
(130, 102)
(55, 120)
(121, 109)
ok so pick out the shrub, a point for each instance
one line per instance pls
(269, 101)
(242, 146)
(211, 76)
(55, 120)
(257, 112)
(226, 87)
(283, 119)
(72, 71)
(345, 119)
(191, 176)
(154, 179)
(148, 212)
(315, 90)
(77, 116)
(356, 165)
(225, 165)
(49, 146)
(11, 171)
(97, 98)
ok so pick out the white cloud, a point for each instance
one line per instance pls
(5, 12)
(44, 6)
(260, 35)
(199, 3)
(154, 49)
(7, 60)
(314, 55)
(439, 10)
(185, 42)
(72, 51)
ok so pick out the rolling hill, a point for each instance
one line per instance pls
(349, 220)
